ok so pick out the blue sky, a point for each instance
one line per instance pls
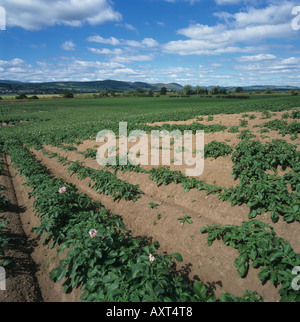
(197, 42)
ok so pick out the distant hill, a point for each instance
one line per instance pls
(274, 88)
(9, 81)
(94, 86)
(259, 87)
(10, 86)
(169, 87)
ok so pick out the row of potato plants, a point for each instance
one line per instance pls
(4, 203)
(258, 243)
(213, 149)
(4, 242)
(101, 255)
(265, 191)
(160, 175)
(106, 182)
(283, 127)
(102, 181)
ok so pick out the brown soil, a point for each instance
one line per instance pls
(212, 265)
(21, 283)
(28, 280)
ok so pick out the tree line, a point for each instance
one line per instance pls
(185, 91)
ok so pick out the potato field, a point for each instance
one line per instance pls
(74, 230)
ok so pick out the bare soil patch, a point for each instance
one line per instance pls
(21, 282)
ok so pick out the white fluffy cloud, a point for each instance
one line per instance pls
(290, 65)
(109, 41)
(189, 1)
(146, 42)
(106, 51)
(68, 45)
(131, 51)
(240, 33)
(256, 58)
(37, 14)
(224, 2)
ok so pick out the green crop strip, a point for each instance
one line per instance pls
(181, 127)
(160, 175)
(283, 127)
(216, 149)
(101, 181)
(106, 182)
(257, 242)
(4, 242)
(4, 202)
(212, 149)
(62, 121)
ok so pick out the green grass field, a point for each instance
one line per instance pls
(69, 119)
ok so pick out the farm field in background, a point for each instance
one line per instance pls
(231, 234)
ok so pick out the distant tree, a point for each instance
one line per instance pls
(21, 97)
(215, 90)
(68, 94)
(187, 90)
(130, 92)
(150, 93)
(293, 92)
(163, 91)
(140, 92)
(103, 93)
(223, 91)
(239, 89)
(199, 90)
(34, 97)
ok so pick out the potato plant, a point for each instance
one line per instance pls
(258, 244)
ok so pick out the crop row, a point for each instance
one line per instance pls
(160, 175)
(102, 181)
(252, 161)
(258, 243)
(106, 182)
(213, 149)
(4, 203)
(101, 255)
(4, 242)
(283, 127)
